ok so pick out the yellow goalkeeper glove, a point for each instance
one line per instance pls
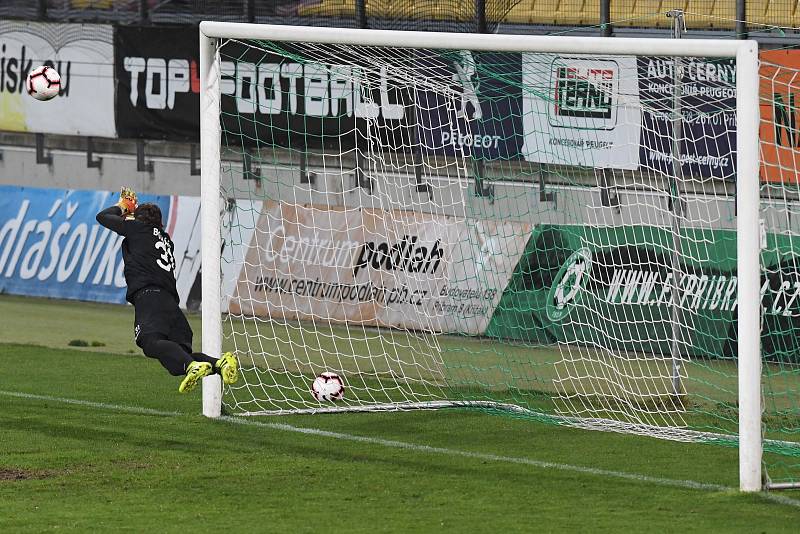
(127, 201)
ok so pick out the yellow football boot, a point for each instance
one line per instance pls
(228, 367)
(194, 373)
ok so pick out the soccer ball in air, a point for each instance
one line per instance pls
(43, 83)
(327, 386)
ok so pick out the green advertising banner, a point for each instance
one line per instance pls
(612, 287)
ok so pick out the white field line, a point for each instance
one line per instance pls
(658, 481)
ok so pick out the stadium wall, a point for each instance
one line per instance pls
(68, 170)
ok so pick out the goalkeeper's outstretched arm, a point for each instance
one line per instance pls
(112, 219)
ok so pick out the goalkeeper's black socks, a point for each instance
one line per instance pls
(202, 357)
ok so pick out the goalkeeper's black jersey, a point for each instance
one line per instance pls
(146, 250)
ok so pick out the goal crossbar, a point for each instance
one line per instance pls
(484, 42)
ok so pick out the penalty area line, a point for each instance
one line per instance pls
(634, 477)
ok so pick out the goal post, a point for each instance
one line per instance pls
(209, 214)
(748, 252)
(396, 360)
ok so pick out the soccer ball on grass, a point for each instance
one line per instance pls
(327, 386)
(43, 83)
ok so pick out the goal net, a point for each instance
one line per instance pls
(550, 234)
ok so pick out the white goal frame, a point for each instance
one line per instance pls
(745, 53)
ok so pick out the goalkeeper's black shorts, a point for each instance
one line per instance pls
(158, 313)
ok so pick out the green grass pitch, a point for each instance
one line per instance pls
(97, 438)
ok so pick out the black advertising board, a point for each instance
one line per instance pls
(446, 102)
(158, 88)
(286, 100)
(337, 101)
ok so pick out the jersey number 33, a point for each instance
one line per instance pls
(166, 260)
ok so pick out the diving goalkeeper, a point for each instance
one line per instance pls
(161, 330)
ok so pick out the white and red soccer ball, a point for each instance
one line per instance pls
(328, 386)
(43, 83)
